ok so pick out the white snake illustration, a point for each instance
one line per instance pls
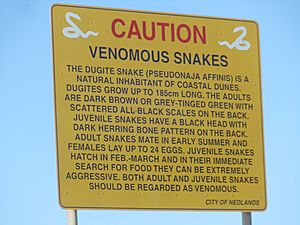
(239, 43)
(73, 31)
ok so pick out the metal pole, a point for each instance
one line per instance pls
(72, 217)
(247, 220)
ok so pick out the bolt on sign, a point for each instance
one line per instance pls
(157, 110)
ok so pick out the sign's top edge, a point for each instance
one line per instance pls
(153, 12)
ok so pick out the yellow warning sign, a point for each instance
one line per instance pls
(157, 110)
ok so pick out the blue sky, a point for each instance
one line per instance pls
(28, 191)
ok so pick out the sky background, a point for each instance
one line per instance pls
(28, 188)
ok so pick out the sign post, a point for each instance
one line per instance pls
(157, 111)
(72, 217)
(247, 220)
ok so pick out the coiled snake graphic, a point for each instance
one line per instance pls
(239, 43)
(73, 31)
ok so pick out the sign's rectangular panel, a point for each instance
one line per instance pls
(157, 111)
